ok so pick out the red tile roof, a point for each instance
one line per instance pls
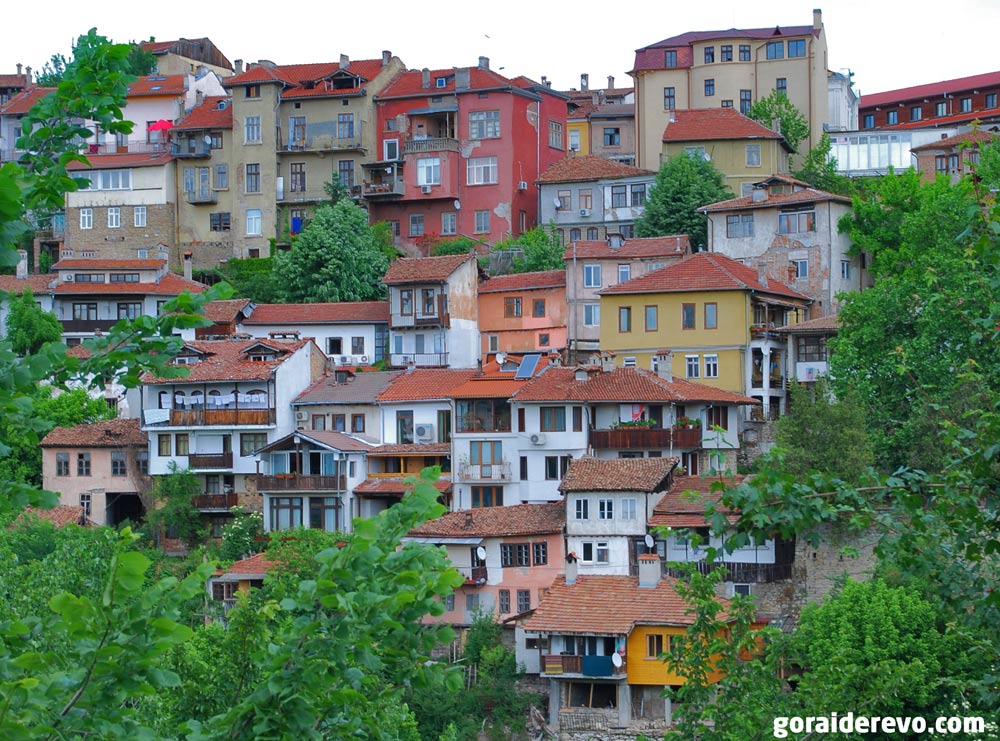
(830, 323)
(226, 360)
(413, 449)
(952, 87)
(488, 388)
(425, 384)
(425, 269)
(714, 124)
(256, 565)
(359, 312)
(589, 167)
(25, 101)
(112, 433)
(676, 245)
(635, 385)
(684, 505)
(497, 522)
(97, 264)
(976, 136)
(525, 281)
(702, 271)
(774, 200)
(60, 515)
(128, 159)
(618, 474)
(158, 85)
(410, 83)
(338, 440)
(225, 311)
(971, 117)
(309, 80)
(169, 284)
(208, 115)
(395, 487)
(13, 80)
(608, 605)
(37, 283)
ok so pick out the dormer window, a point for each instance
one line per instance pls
(260, 357)
(187, 359)
(440, 82)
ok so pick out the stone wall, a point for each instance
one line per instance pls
(120, 243)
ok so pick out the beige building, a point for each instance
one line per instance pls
(188, 56)
(729, 69)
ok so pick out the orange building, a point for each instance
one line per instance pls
(523, 312)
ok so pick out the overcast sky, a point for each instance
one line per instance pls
(887, 44)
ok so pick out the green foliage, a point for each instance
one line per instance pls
(57, 69)
(819, 169)
(537, 249)
(140, 62)
(792, 124)
(178, 516)
(386, 240)
(336, 258)
(335, 190)
(454, 246)
(824, 433)
(251, 277)
(684, 184)
(28, 327)
(240, 535)
(484, 633)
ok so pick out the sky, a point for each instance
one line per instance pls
(887, 44)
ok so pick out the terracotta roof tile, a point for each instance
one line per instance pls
(360, 388)
(37, 283)
(308, 80)
(425, 384)
(225, 311)
(226, 360)
(589, 167)
(25, 101)
(359, 312)
(775, 200)
(675, 245)
(395, 487)
(618, 474)
(684, 505)
(957, 85)
(525, 281)
(97, 264)
(497, 522)
(411, 449)
(209, 115)
(410, 83)
(702, 271)
(255, 565)
(977, 136)
(608, 605)
(13, 80)
(425, 269)
(490, 388)
(969, 117)
(169, 284)
(112, 433)
(128, 159)
(830, 323)
(60, 515)
(713, 124)
(158, 85)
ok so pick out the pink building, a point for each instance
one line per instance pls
(523, 312)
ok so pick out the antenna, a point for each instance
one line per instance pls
(648, 540)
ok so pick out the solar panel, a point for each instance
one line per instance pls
(528, 365)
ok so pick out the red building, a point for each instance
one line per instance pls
(460, 151)
(945, 103)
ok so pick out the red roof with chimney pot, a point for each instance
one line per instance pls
(774, 200)
(111, 433)
(425, 269)
(425, 384)
(525, 281)
(618, 474)
(497, 522)
(151, 85)
(675, 245)
(228, 360)
(358, 312)
(589, 167)
(309, 80)
(208, 115)
(967, 138)
(715, 124)
(410, 83)
(24, 101)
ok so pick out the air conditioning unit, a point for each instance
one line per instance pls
(364, 360)
(538, 438)
(302, 416)
(424, 431)
(344, 360)
(584, 212)
(425, 189)
(522, 184)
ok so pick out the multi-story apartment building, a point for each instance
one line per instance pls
(729, 69)
(344, 402)
(945, 103)
(11, 85)
(523, 313)
(12, 110)
(591, 198)
(297, 127)
(602, 121)
(461, 150)
(953, 156)
(184, 56)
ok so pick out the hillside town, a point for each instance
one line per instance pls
(582, 421)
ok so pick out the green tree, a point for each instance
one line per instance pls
(537, 249)
(177, 516)
(240, 536)
(792, 124)
(335, 259)
(684, 184)
(137, 62)
(28, 327)
(819, 169)
(454, 246)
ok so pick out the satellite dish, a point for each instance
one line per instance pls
(616, 659)
(458, 205)
(208, 139)
(501, 357)
(648, 540)
(481, 553)
(557, 202)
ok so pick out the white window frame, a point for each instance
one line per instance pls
(482, 225)
(484, 124)
(628, 508)
(449, 224)
(801, 268)
(254, 223)
(712, 365)
(581, 509)
(605, 509)
(252, 133)
(481, 171)
(692, 366)
(429, 171)
(114, 217)
(492, 343)
(390, 145)
(591, 315)
(590, 272)
(753, 155)
(86, 218)
(624, 272)
(139, 216)
(845, 269)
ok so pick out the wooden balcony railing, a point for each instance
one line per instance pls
(212, 417)
(216, 501)
(299, 482)
(588, 665)
(474, 575)
(645, 437)
(742, 573)
(203, 461)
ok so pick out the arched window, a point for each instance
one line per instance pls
(165, 400)
(574, 235)
(257, 399)
(179, 400)
(592, 233)
(215, 399)
(197, 399)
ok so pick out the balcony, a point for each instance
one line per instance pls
(190, 148)
(474, 575)
(383, 190)
(87, 325)
(437, 144)
(437, 317)
(484, 471)
(201, 197)
(473, 422)
(210, 461)
(129, 147)
(216, 502)
(645, 437)
(742, 573)
(210, 417)
(589, 665)
(300, 482)
(435, 359)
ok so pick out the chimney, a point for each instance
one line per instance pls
(545, 80)
(607, 361)
(238, 66)
(555, 359)
(664, 365)
(462, 78)
(386, 57)
(759, 195)
(425, 78)
(611, 82)
(817, 19)
(649, 570)
(762, 274)
(411, 366)
(199, 97)
(584, 82)
(345, 61)
(27, 76)
(581, 374)
(187, 265)
(19, 69)
(571, 568)
(615, 241)
(22, 265)
(484, 63)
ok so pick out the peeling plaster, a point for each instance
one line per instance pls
(503, 210)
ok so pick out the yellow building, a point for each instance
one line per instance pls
(716, 316)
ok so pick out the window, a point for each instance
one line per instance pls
(251, 442)
(163, 445)
(990, 101)
(556, 466)
(605, 509)
(449, 223)
(512, 307)
(965, 105)
(692, 366)
(652, 320)
(286, 513)
(670, 58)
(481, 171)
(142, 462)
(565, 200)
(345, 125)
(85, 500)
(130, 310)
(669, 99)
(624, 318)
(85, 311)
(709, 87)
(639, 195)
(591, 315)
(916, 113)
(711, 366)
(429, 171)
(592, 233)
(868, 121)
(744, 52)
(487, 496)
(941, 109)
(523, 600)
(86, 218)
(596, 552)
(114, 217)
(219, 222)
(181, 444)
(781, 86)
(83, 464)
(811, 349)
(746, 100)
(775, 49)
(405, 302)
(118, 463)
(709, 54)
(739, 225)
(482, 223)
(697, 152)
(618, 196)
(538, 307)
(254, 228)
(654, 645)
(109, 180)
(252, 91)
(612, 136)
(540, 553)
(472, 603)
(753, 155)
(297, 177)
(357, 345)
(717, 416)
(582, 509)
(796, 48)
(484, 124)
(624, 272)
(555, 134)
(216, 140)
(711, 315)
(62, 464)
(801, 268)
(891, 118)
(574, 140)
(553, 419)
(845, 269)
(727, 103)
(941, 163)
(390, 150)
(592, 276)
(687, 316)
(339, 423)
(504, 601)
(796, 222)
(251, 130)
(628, 509)
(416, 225)
(139, 216)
